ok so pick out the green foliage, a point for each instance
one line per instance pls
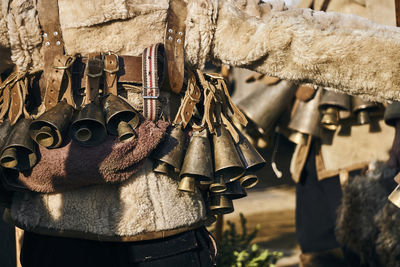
(235, 250)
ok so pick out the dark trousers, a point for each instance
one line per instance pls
(316, 205)
(190, 248)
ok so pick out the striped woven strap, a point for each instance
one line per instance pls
(151, 81)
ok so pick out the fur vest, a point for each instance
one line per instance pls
(334, 50)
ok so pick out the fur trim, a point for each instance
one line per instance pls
(329, 49)
(367, 222)
(147, 202)
(200, 27)
(25, 35)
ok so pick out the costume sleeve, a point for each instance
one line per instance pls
(334, 50)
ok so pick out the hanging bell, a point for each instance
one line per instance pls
(234, 190)
(331, 104)
(227, 161)
(392, 113)
(121, 118)
(198, 158)
(187, 184)
(5, 130)
(171, 150)
(248, 180)
(19, 152)
(305, 118)
(218, 186)
(88, 128)
(220, 204)
(362, 109)
(266, 103)
(50, 128)
(394, 197)
(251, 159)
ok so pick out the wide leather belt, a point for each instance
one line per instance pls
(129, 71)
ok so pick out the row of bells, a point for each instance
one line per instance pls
(221, 167)
(88, 127)
(265, 106)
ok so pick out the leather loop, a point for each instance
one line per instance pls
(174, 43)
(111, 67)
(93, 73)
(54, 79)
(192, 97)
(16, 105)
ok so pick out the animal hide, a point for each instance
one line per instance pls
(335, 50)
(367, 221)
(73, 166)
(147, 202)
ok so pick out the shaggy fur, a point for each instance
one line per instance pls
(367, 221)
(74, 166)
(147, 202)
(330, 49)
(334, 50)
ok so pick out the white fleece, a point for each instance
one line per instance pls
(147, 202)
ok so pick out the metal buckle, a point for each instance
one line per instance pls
(151, 96)
(69, 62)
(90, 61)
(117, 68)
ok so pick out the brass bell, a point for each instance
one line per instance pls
(251, 159)
(298, 138)
(362, 109)
(171, 150)
(19, 152)
(218, 186)
(88, 128)
(394, 197)
(5, 129)
(331, 104)
(198, 158)
(392, 113)
(220, 204)
(121, 118)
(162, 167)
(50, 128)
(227, 161)
(187, 184)
(234, 190)
(248, 180)
(266, 103)
(305, 117)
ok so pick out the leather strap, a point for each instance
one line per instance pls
(111, 67)
(94, 71)
(54, 79)
(17, 103)
(192, 97)
(174, 43)
(397, 7)
(53, 49)
(151, 82)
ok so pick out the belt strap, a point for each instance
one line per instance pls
(151, 77)
(111, 68)
(53, 48)
(94, 71)
(174, 43)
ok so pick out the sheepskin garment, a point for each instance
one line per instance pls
(330, 49)
(335, 50)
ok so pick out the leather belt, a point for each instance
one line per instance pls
(129, 70)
